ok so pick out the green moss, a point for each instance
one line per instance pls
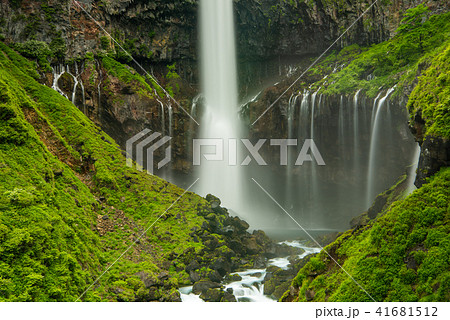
(54, 164)
(431, 97)
(396, 61)
(402, 256)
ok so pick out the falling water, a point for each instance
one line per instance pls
(75, 84)
(219, 86)
(374, 109)
(356, 156)
(163, 120)
(58, 71)
(412, 170)
(375, 147)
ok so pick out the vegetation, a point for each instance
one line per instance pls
(70, 206)
(402, 256)
(397, 61)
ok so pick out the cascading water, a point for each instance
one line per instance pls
(251, 287)
(58, 71)
(412, 170)
(375, 147)
(219, 86)
(356, 156)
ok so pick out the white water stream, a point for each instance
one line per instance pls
(251, 287)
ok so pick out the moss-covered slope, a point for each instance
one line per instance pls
(402, 256)
(69, 208)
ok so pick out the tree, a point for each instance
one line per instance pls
(412, 24)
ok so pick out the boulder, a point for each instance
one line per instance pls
(212, 295)
(228, 297)
(194, 276)
(204, 285)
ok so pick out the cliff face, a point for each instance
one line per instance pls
(162, 31)
(157, 33)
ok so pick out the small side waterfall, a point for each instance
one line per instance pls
(412, 170)
(58, 71)
(163, 118)
(75, 85)
(375, 147)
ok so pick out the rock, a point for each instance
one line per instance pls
(228, 297)
(212, 295)
(250, 245)
(259, 262)
(215, 276)
(193, 265)
(233, 277)
(153, 294)
(239, 224)
(212, 244)
(163, 276)
(204, 285)
(146, 279)
(194, 276)
(435, 154)
(230, 290)
(309, 294)
(222, 266)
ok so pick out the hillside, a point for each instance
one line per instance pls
(70, 208)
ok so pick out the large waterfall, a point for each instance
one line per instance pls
(219, 86)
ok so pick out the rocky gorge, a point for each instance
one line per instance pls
(71, 91)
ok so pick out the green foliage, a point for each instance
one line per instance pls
(402, 256)
(104, 43)
(58, 46)
(431, 97)
(392, 62)
(172, 77)
(52, 249)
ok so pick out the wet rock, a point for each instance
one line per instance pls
(204, 285)
(259, 262)
(194, 276)
(222, 266)
(228, 297)
(193, 265)
(215, 276)
(250, 245)
(233, 278)
(212, 295)
(147, 279)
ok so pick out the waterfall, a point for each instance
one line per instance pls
(75, 84)
(375, 147)
(374, 109)
(170, 109)
(290, 157)
(58, 71)
(163, 120)
(219, 86)
(356, 155)
(412, 170)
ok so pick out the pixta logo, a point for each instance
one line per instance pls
(147, 143)
(307, 152)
